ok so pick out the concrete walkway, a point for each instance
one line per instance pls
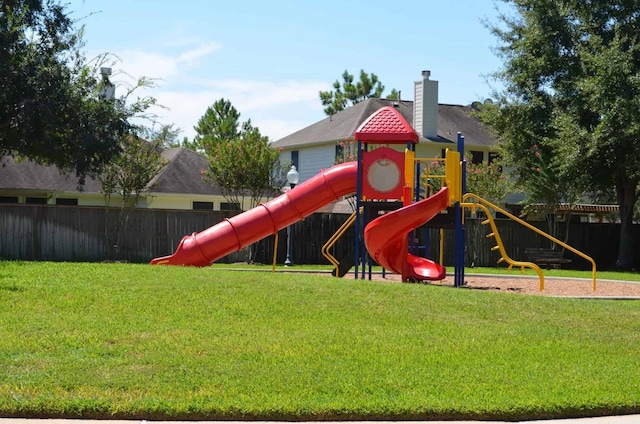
(620, 419)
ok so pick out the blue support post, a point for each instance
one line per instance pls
(458, 279)
(358, 223)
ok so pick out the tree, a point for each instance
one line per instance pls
(348, 94)
(488, 181)
(220, 122)
(128, 175)
(165, 137)
(50, 107)
(241, 162)
(485, 180)
(245, 167)
(571, 89)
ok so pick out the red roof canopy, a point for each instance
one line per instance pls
(386, 126)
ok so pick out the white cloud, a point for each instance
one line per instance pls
(275, 115)
(190, 57)
(278, 108)
(254, 94)
(139, 63)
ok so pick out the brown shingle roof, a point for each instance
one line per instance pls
(26, 175)
(456, 118)
(341, 125)
(181, 174)
(451, 120)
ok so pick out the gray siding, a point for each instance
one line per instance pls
(313, 159)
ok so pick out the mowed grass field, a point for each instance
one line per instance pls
(144, 342)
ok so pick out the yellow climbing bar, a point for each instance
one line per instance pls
(334, 239)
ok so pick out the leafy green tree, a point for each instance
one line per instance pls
(51, 110)
(244, 167)
(128, 175)
(571, 88)
(486, 180)
(348, 93)
(166, 137)
(241, 162)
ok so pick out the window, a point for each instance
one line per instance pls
(67, 202)
(225, 206)
(294, 159)
(339, 152)
(36, 200)
(8, 199)
(200, 206)
(477, 157)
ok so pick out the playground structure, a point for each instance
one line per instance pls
(390, 206)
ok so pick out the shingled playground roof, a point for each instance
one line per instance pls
(387, 126)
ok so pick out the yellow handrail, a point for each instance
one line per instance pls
(275, 252)
(484, 203)
(334, 239)
(504, 257)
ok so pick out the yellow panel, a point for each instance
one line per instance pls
(409, 170)
(453, 176)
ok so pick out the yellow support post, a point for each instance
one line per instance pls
(409, 172)
(441, 246)
(453, 176)
(275, 252)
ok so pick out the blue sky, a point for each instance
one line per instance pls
(270, 58)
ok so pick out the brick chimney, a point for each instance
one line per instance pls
(425, 106)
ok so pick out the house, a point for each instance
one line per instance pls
(316, 147)
(179, 185)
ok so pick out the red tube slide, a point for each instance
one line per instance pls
(386, 238)
(232, 234)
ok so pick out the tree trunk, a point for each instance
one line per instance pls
(627, 197)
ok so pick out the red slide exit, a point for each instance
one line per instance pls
(232, 234)
(386, 238)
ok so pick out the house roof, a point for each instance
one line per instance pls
(456, 118)
(26, 175)
(341, 126)
(181, 174)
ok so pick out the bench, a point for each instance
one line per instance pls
(549, 257)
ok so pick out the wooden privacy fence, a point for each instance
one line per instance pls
(599, 241)
(88, 234)
(72, 233)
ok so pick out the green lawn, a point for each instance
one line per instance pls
(143, 342)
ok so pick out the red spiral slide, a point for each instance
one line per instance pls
(385, 237)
